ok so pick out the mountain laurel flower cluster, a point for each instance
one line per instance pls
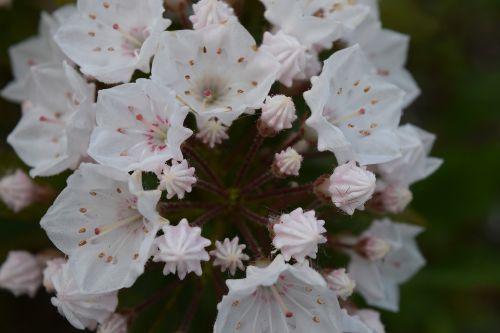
(190, 152)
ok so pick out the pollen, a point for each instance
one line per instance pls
(82, 243)
(240, 60)
(316, 319)
(83, 210)
(82, 230)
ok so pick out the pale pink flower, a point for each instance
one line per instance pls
(229, 255)
(287, 163)
(182, 248)
(351, 186)
(298, 234)
(278, 113)
(341, 283)
(208, 12)
(177, 179)
(18, 191)
(21, 274)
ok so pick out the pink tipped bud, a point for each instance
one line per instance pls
(341, 284)
(392, 199)
(373, 248)
(18, 191)
(351, 186)
(21, 273)
(287, 163)
(208, 12)
(212, 133)
(278, 113)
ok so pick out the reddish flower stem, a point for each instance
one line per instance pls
(259, 181)
(249, 238)
(158, 296)
(206, 217)
(253, 216)
(248, 160)
(191, 310)
(203, 166)
(210, 188)
(282, 192)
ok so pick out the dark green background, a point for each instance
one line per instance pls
(454, 56)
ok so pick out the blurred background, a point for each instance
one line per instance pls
(455, 58)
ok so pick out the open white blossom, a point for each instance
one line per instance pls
(414, 163)
(212, 133)
(177, 179)
(208, 12)
(82, 310)
(34, 51)
(291, 54)
(278, 113)
(229, 255)
(387, 50)
(371, 319)
(317, 22)
(17, 190)
(181, 248)
(298, 234)
(139, 127)
(351, 186)
(353, 324)
(111, 39)
(21, 274)
(217, 71)
(54, 131)
(113, 225)
(378, 280)
(116, 323)
(354, 112)
(279, 298)
(52, 267)
(287, 163)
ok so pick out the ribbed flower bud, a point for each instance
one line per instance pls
(52, 267)
(351, 186)
(341, 284)
(393, 199)
(207, 12)
(278, 113)
(212, 133)
(373, 248)
(21, 273)
(287, 163)
(292, 55)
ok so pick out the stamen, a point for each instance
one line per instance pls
(100, 231)
(279, 300)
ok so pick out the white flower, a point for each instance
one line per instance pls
(387, 50)
(139, 127)
(371, 319)
(298, 234)
(113, 225)
(208, 12)
(177, 179)
(287, 163)
(378, 281)
(414, 163)
(315, 22)
(279, 298)
(278, 113)
(353, 324)
(341, 283)
(229, 255)
(54, 130)
(82, 310)
(116, 323)
(182, 248)
(37, 50)
(21, 274)
(217, 71)
(354, 112)
(53, 266)
(291, 54)
(351, 186)
(212, 132)
(111, 39)
(17, 190)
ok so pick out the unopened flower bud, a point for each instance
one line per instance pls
(207, 12)
(393, 199)
(291, 54)
(287, 163)
(18, 191)
(212, 133)
(278, 113)
(351, 186)
(373, 248)
(21, 274)
(341, 284)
